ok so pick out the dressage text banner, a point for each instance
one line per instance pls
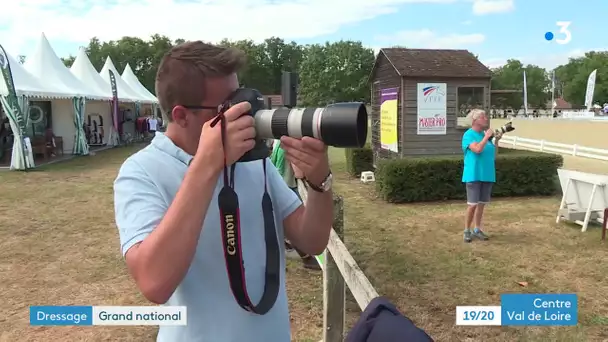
(107, 315)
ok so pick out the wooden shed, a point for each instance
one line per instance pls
(416, 97)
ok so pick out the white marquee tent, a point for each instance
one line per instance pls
(27, 87)
(99, 115)
(125, 93)
(130, 79)
(84, 70)
(46, 66)
(67, 115)
(26, 84)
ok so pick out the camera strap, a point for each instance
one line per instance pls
(228, 203)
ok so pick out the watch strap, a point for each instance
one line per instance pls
(318, 188)
(314, 187)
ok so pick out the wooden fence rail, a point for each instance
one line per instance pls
(553, 147)
(339, 270)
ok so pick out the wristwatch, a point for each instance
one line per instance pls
(325, 185)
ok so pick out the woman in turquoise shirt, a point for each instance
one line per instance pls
(479, 173)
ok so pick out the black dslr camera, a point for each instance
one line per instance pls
(255, 98)
(506, 128)
(339, 125)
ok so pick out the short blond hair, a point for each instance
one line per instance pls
(475, 114)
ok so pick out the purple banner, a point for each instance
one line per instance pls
(389, 94)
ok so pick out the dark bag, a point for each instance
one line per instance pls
(382, 322)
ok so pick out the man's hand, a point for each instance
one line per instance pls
(309, 155)
(309, 226)
(488, 134)
(240, 135)
(298, 174)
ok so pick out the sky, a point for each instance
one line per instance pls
(495, 30)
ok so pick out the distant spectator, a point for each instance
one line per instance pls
(153, 125)
(480, 146)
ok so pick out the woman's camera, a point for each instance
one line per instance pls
(508, 127)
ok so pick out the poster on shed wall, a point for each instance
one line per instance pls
(432, 109)
(389, 109)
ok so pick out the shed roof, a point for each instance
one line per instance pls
(435, 63)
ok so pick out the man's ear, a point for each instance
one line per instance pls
(179, 116)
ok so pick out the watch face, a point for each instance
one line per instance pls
(327, 184)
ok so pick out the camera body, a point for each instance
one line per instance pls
(506, 128)
(256, 99)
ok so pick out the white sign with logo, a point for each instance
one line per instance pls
(432, 109)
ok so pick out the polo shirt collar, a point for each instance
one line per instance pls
(164, 144)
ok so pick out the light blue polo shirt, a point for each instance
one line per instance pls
(145, 187)
(478, 167)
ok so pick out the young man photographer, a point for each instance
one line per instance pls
(480, 146)
(166, 203)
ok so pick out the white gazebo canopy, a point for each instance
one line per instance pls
(50, 70)
(83, 69)
(125, 92)
(26, 84)
(129, 77)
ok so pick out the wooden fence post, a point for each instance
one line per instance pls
(334, 294)
(605, 224)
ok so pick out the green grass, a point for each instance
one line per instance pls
(414, 255)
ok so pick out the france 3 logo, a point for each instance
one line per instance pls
(564, 32)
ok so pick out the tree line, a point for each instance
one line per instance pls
(339, 71)
(570, 81)
(329, 72)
